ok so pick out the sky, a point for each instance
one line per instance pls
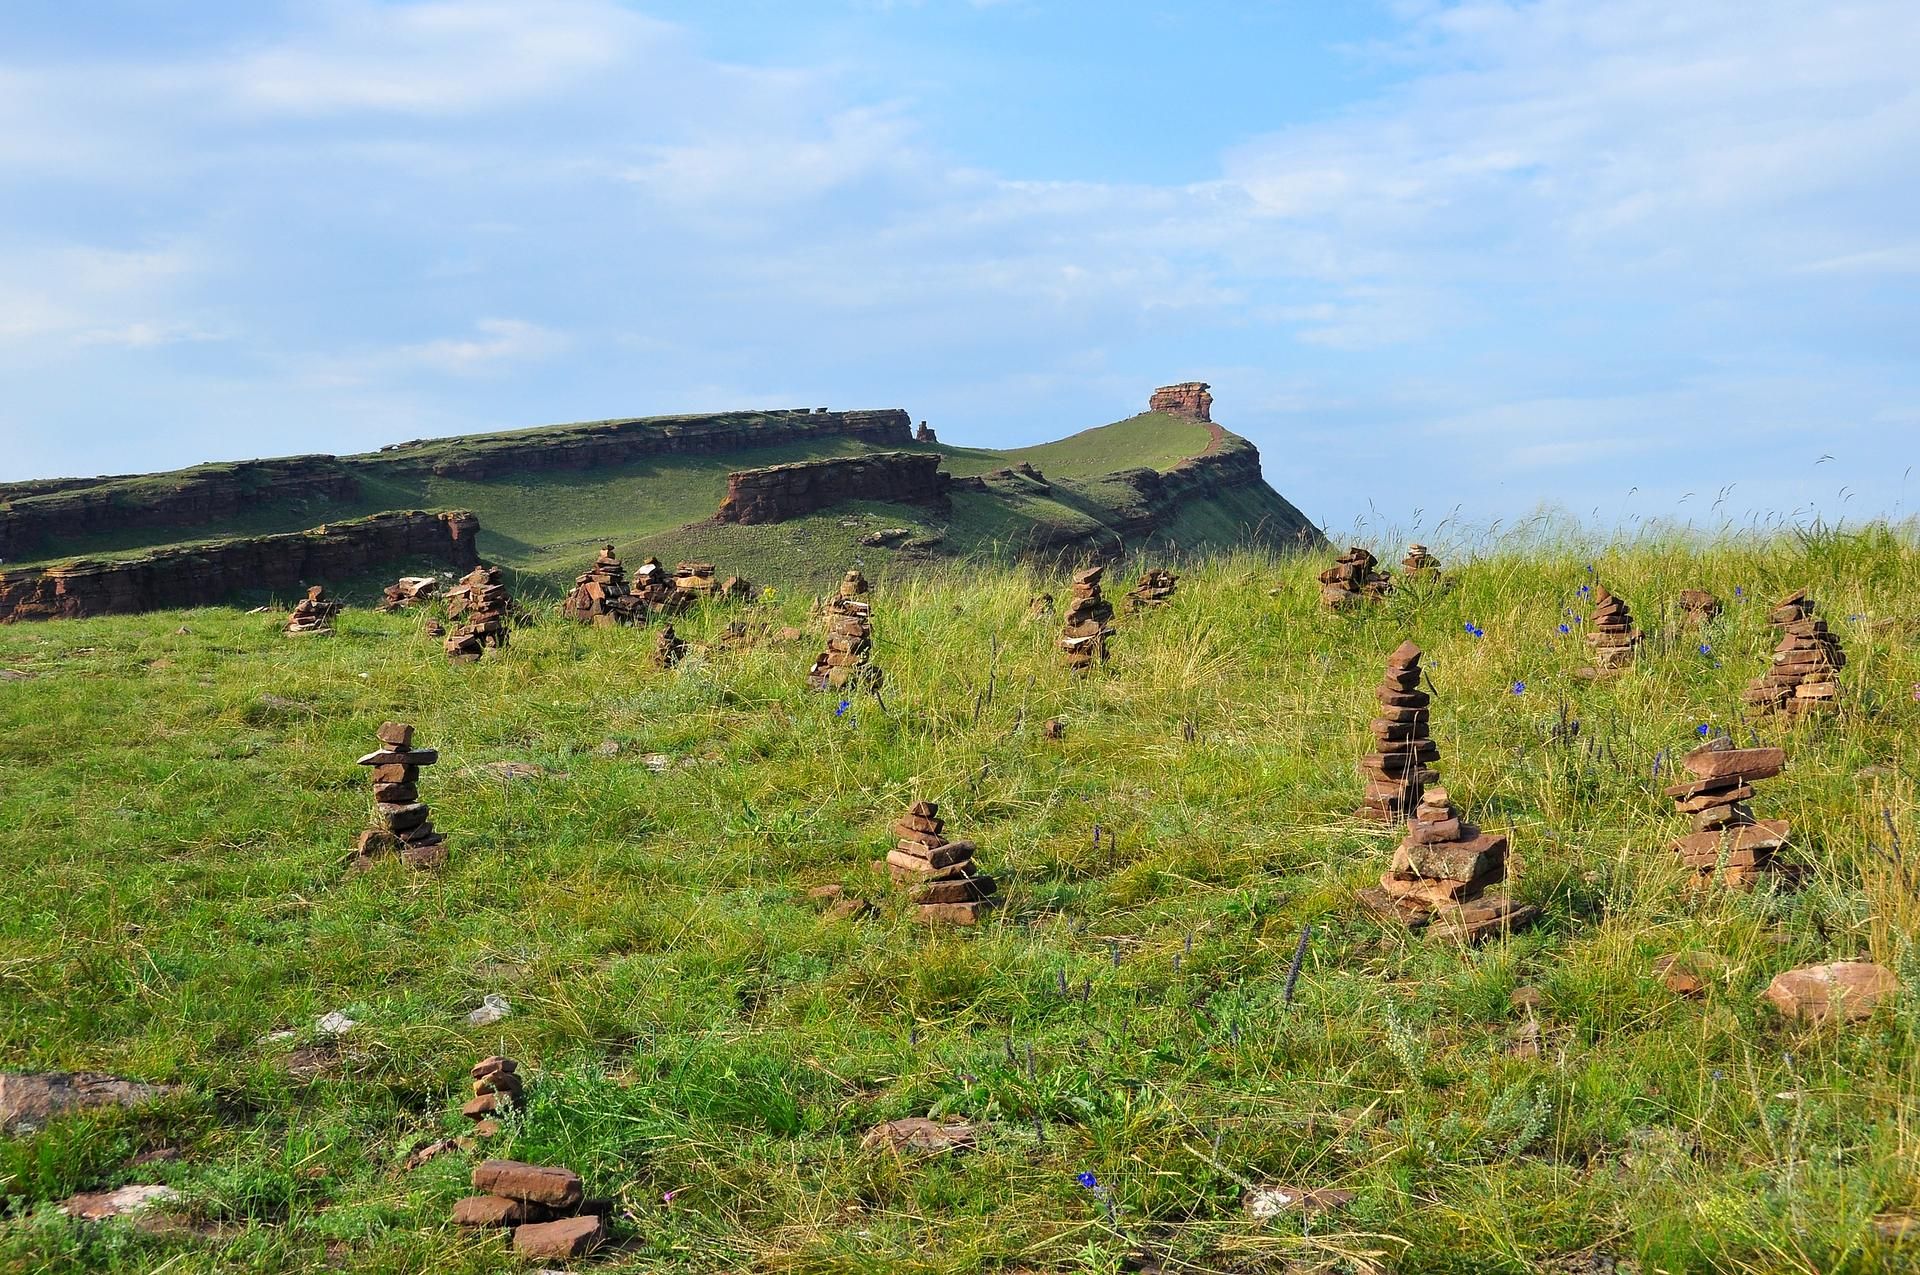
(1622, 259)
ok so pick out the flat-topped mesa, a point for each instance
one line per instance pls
(1698, 608)
(1084, 633)
(407, 591)
(1727, 846)
(1352, 580)
(847, 659)
(668, 649)
(402, 823)
(1419, 566)
(1187, 398)
(1441, 874)
(947, 887)
(481, 600)
(1806, 665)
(1154, 589)
(601, 597)
(1612, 638)
(313, 613)
(1401, 765)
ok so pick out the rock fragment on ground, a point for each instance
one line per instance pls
(1847, 990)
(29, 1099)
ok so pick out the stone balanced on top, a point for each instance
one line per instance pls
(849, 639)
(694, 582)
(1154, 589)
(1806, 664)
(601, 597)
(1420, 565)
(405, 826)
(1441, 873)
(1401, 764)
(407, 591)
(1727, 846)
(946, 885)
(1083, 638)
(1352, 580)
(481, 599)
(1611, 637)
(313, 613)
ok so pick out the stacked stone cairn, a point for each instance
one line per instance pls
(1806, 664)
(652, 585)
(496, 1086)
(1155, 589)
(1441, 873)
(546, 1209)
(1727, 846)
(407, 591)
(481, 599)
(1611, 637)
(1352, 580)
(313, 613)
(405, 825)
(849, 640)
(1420, 566)
(946, 885)
(1402, 764)
(601, 597)
(668, 649)
(1698, 608)
(1083, 638)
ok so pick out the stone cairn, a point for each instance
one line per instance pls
(1352, 580)
(405, 827)
(652, 585)
(1698, 608)
(407, 591)
(849, 640)
(1611, 637)
(1727, 845)
(546, 1208)
(481, 599)
(496, 1086)
(1806, 664)
(1441, 873)
(1083, 638)
(313, 613)
(600, 597)
(1402, 763)
(668, 649)
(946, 885)
(1420, 565)
(1154, 589)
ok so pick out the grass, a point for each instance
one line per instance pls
(174, 806)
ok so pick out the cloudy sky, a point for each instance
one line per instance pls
(1611, 256)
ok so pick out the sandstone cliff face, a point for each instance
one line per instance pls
(205, 574)
(779, 492)
(1188, 398)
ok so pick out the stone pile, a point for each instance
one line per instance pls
(406, 592)
(496, 1086)
(694, 582)
(481, 600)
(405, 826)
(1420, 565)
(651, 584)
(1441, 873)
(668, 649)
(1698, 608)
(1352, 580)
(601, 596)
(1611, 637)
(313, 613)
(1155, 588)
(1083, 638)
(946, 885)
(845, 662)
(546, 1208)
(1401, 764)
(1727, 845)
(1806, 664)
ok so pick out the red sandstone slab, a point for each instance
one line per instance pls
(1748, 763)
(401, 757)
(568, 1237)
(540, 1184)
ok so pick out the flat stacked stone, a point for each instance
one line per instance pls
(481, 600)
(1727, 845)
(496, 1086)
(1441, 874)
(1611, 636)
(668, 649)
(1154, 589)
(1806, 664)
(1402, 763)
(652, 585)
(1698, 608)
(694, 582)
(1083, 637)
(546, 1208)
(601, 597)
(1420, 565)
(407, 591)
(846, 661)
(946, 885)
(1352, 580)
(313, 613)
(404, 824)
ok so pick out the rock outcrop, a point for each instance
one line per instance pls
(1189, 399)
(780, 492)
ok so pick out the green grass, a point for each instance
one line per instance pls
(1152, 439)
(174, 806)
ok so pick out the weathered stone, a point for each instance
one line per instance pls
(29, 1099)
(917, 1133)
(1846, 990)
(559, 1188)
(568, 1237)
(1186, 398)
(779, 493)
(497, 1210)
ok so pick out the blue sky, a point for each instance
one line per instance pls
(1609, 256)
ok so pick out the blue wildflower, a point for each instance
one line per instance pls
(1565, 629)
(1705, 649)
(1739, 592)
(842, 709)
(1519, 688)
(1704, 729)
(1586, 590)
(1087, 1180)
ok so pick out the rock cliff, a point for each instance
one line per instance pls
(1189, 399)
(779, 492)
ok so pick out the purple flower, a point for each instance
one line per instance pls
(1704, 730)
(1705, 649)
(1519, 688)
(1565, 629)
(1586, 590)
(1739, 592)
(1087, 1180)
(842, 709)
(1475, 629)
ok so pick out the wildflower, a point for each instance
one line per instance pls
(1586, 590)
(842, 709)
(1565, 629)
(1705, 729)
(1519, 688)
(1475, 629)
(1087, 1180)
(666, 1197)
(1705, 649)
(1739, 592)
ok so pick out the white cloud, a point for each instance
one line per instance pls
(500, 342)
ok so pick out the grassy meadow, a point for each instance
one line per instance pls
(178, 794)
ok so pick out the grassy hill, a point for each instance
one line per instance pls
(707, 1048)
